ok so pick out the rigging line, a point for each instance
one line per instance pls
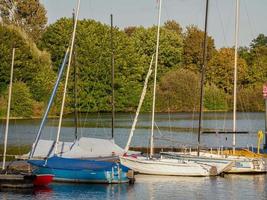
(222, 25)
(252, 29)
(158, 129)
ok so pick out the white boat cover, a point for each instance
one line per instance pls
(93, 147)
(82, 148)
(45, 148)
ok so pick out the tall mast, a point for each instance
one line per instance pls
(235, 69)
(67, 77)
(204, 63)
(155, 83)
(75, 83)
(8, 109)
(112, 76)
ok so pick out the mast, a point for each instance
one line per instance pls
(67, 77)
(8, 109)
(75, 84)
(265, 99)
(62, 67)
(112, 76)
(139, 105)
(155, 82)
(235, 71)
(204, 63)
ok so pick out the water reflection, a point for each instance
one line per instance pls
(232, 187)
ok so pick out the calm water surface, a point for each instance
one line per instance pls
(171, 130)
(230, 187)
(178, 128)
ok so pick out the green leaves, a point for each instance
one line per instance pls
(30, 15)
(31, 70)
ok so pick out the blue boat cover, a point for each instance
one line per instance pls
(73, 164)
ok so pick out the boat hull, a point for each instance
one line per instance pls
(85, 176)
(241, 165)
(81, 171)
(222, 165)
(169, 167)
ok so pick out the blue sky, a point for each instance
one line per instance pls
(253, 15)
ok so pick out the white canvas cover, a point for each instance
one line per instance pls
(93, 147)
(45, 148)
(83, 148)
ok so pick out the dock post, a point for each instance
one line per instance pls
(130, 176)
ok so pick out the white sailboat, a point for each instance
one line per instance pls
(241, 164)
(162, 165)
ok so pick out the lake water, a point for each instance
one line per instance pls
(179, 128)
(171, 130)
(230, 187)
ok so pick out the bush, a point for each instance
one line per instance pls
(179, 91)
(214, 98)
(21, 101)
(250, 99)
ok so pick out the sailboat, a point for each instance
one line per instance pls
(18, 179)
(241, 164)
(162, 165)
(82, 160)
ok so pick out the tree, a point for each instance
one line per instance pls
(130, 30)
(215, 98)
(220, 70)
(178, 90)
(29, 63)
(28, 14)
(93, 60)
(193, 48)
(259, 41)
(173, 26)
(170, 46)
(250, 98)
(21, 101)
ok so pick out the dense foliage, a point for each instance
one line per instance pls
(40, 51)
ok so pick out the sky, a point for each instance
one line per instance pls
(221, 19)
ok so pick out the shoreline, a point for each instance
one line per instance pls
(67, 114)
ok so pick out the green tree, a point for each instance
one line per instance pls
(259, 41)
(250, 98)
(220, 70)
(193, 48)
(129, 30)
(29, 60)
(30, 63)
(178, 90)
(93, 60)
(215, 98)
(28, 14)
(170, 46)
(21, 100)
(173, 26)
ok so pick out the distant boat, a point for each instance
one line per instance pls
(86, 160)
(9, 179)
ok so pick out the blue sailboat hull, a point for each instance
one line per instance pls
(82, 171)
